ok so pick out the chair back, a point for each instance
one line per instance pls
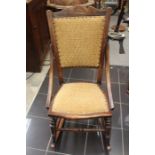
(79, 37)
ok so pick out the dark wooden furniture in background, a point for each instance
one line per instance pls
(117, 36)
(120, 17)
(37, 34)
(58, 5)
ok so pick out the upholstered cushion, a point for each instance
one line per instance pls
(79, 40)
(80, 98)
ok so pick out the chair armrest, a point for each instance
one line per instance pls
(108, 81)
(50, 87)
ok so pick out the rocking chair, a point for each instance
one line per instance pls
(79, 38)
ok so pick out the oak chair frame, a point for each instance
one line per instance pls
(104, 119)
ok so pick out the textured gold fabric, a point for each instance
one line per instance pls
(79, 40)
(80, 98)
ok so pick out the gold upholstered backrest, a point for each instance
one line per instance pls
(79, 37)
(79, 40)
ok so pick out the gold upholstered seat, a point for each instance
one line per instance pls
(80, 98)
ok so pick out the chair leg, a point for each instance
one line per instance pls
(105, 143)
(103, 135)
(53, 130)
(60, 123)
(107, 121)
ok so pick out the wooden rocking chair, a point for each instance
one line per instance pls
(79, 38)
